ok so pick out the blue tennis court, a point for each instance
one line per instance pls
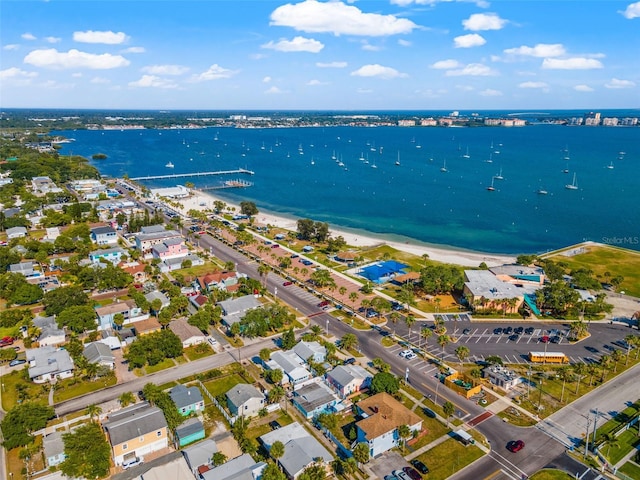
(382, 272)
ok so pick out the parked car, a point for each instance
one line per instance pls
(418, 465)
(497, 331)
(518, 330)
(400, 475)
(529, 330)
(466, 331)
(515, 445)
(287, 283)
(508, 331)
(274, 425)
(295, 255)
(349, 361)
(16, 362)
(275, 245)
(324, 303)
(411, 356)
(545, 339)
(404, 353)
(4, 341)
(412, 472)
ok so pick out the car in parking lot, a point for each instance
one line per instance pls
(592, 349)
(555, 339)
(497, 331)
(275, 245)
(324, 304)
(418, 465)
(396, 306)
(411, 356)
(401, 475)
(390, 477)
(306, 262)
(412, 472)
(508, 330)
(515, 445)
(274, 425)
(466, 331)
(372, 313)
(514, 337)
(404, 353)
(295, 255)
(518, 330)
(349, 361)
(545, 339)
(16, 362)
(529, 330)
(287, 283)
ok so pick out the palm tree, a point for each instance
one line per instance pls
(277, 451)
(361, 452)
(404, 432)
(616, 356)
(263, 271)
(365, 304)
(612, 441)
(443, 341)
(448, 408)
(579, 369)
(394, 317)
(127, 398)
(592, 369)
(605, 363)
(410, 320)
(353, 298)
(349, 341)
(342, 290)
(462, 352)
(93, 411)
(407, 296)
(564, 372)
(631, 343)
(426, 333)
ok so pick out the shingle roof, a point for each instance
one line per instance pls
(241, 304)
(48, 360)
(183, 396)
(189, 427)
(200, 453)
(48, 327)
(385, 414)
(345, 374)
(313, 396)
(309, 349)
(102, 230)
(241, 393)
(97, 352)
(53, 444)
(183, 330)
(237, 469)
(133, 422)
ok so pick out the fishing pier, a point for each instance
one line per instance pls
(195, 174)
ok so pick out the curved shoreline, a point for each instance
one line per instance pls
(362, 238)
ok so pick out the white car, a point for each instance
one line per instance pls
(404, 353)
(411, 356)
(212, 340)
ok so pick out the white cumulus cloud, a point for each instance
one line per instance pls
(266, 79)
(15, 72)
(273, 91)
(446, 64)
(468, 41)
(533, 85)
(380, 71)
(298, 44)
(632, 11)
(574, 63)
(339, 19)
(315, 83)
(583, 88)
(331, 64)
(134, 50)
(52, 39)
(11, 46)
(99, 80)
(52, 58)
(165, 69)
(28, 36)
(106, 37)
(370, 48)
(404, 43)
(472, 70)
(214, 72)
(484, 21)
(541, 50)
(617, 83)
(153, 81)
(490, 92)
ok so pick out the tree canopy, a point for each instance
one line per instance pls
(23, 419)
(153, 348)
(90, 463)
(385, 382)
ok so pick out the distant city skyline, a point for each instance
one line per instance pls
(343, 55)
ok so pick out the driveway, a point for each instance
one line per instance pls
(386, 463)
(122, 367)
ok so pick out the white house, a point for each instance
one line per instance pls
(245, 400)
(50, 333)
(291, 366)
(16, 232)
(234, 309)
(348, 379)
(48, 363)
(100, 354)
(53, 449)
(188, 334)
(313, 350)
(104, 235)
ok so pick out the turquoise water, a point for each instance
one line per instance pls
(413, 201)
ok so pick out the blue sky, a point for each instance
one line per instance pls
(312, 54)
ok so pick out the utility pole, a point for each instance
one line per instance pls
(595, 424)
(586, 438)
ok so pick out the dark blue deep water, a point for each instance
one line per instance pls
(414, 200)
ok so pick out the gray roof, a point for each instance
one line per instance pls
(153, 229)
(189, 427)
(108, 251)
(183, 396)
(516, 270)
(21, 267)
(313, 395)
(53, 444)
(300, 448)
(192, 257)
(483, 283)
(309, 349)
(240, 468)
(48, 327)
(173, 241)
(241, 393)
(98, 352)
(14, 230)
(239, 305)
(133, 422)
(151, 296)
(345, 374)
(102, 230)
(48, 360)
(200, 453)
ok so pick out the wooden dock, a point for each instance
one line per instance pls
(228, 184)
(195, 174)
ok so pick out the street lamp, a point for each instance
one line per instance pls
(327, 329)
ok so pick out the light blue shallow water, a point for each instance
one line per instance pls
(414, 200)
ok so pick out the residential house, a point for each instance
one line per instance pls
(176, 469)
(152, 236)
(52, 234)
(243, 467)
(245, 400)
(188, 334)
(47, 364)
(47, 283)
(16, 232)
(383, 414)
(26, 269)
(136, 431)
(156, 294)
(227, 281)
(44, 185)
(171, 264)
(136, 270)
(189, 431)
(313, 350)
(100, 354)
(104, 235)
(53, 449)
(301, 449)
(348, 379)
(234, 309)
(50, 333)
(200, 455)
(147, 326)
(291, 366)
(170, 248)
(315, 398)
(113, 255)
(131, 312)
(187, 399)
(198, 301)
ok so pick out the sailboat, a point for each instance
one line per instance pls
(398, 160)
(499, 175)
(362, 156)
(333, 155)
(444, 167)
(466, 155)
(541, 191)
(313, 162)
(610, 166)
(169, 165)
(490, 159)
(573, 185)
(373, 165)
(491, 188)
(566, 154)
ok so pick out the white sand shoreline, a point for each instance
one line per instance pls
(360, 239)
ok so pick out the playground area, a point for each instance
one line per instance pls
(382, 272)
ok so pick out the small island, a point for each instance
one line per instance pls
(99, 156)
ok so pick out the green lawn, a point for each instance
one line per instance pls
(14, 381)
(626, 442)
(517, 418)
(146, 370)
(630, 469)
(551, 475)
(68, 389)
(198, 351)
(434, 430)
(622, 417)
(447, 458)
(602, 258)
(222, 385)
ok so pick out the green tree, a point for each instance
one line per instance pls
(93, 411)
(426, 333)
(404, 432)
(462, 352)
(381, 365)
(218, 459)
(288, 340)
(449, 409)
(78, 319)
(277, 451)
(410, 320)
(80, 461)
(126, 399)
(385, 382)
(23, 419)
(272, 472)
(248, 208)
(265, 354)
(274, 376)
(62, 298)
(564, 372)
(579, 369)
(349, 341)
(315, 471)
(322, 278)
(361, 453)
(443, 341)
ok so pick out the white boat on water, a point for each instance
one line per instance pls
(444, 167)
(491, 188)
(466, 155)
(398, 160)
(499, 175)
(169, 165)
(610, 166)
(573, 185)
(542, 191)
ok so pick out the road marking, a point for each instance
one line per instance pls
(511, 468)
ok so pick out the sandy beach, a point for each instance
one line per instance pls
(200, 200)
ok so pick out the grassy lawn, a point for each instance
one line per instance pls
(434, 430)
(602, 258)
(198, 351)
(222, 385)
(10, 386)
(166, 363)
(515, 417)
(67, 389)
(447, 458)
(15, 464)
(631, 469)
(626, 442)
(551, 475)
(387, 342)
(200, 270)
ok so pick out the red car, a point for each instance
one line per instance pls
(545, 339)
(286, 284)
(6, 341)
(515, 445)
